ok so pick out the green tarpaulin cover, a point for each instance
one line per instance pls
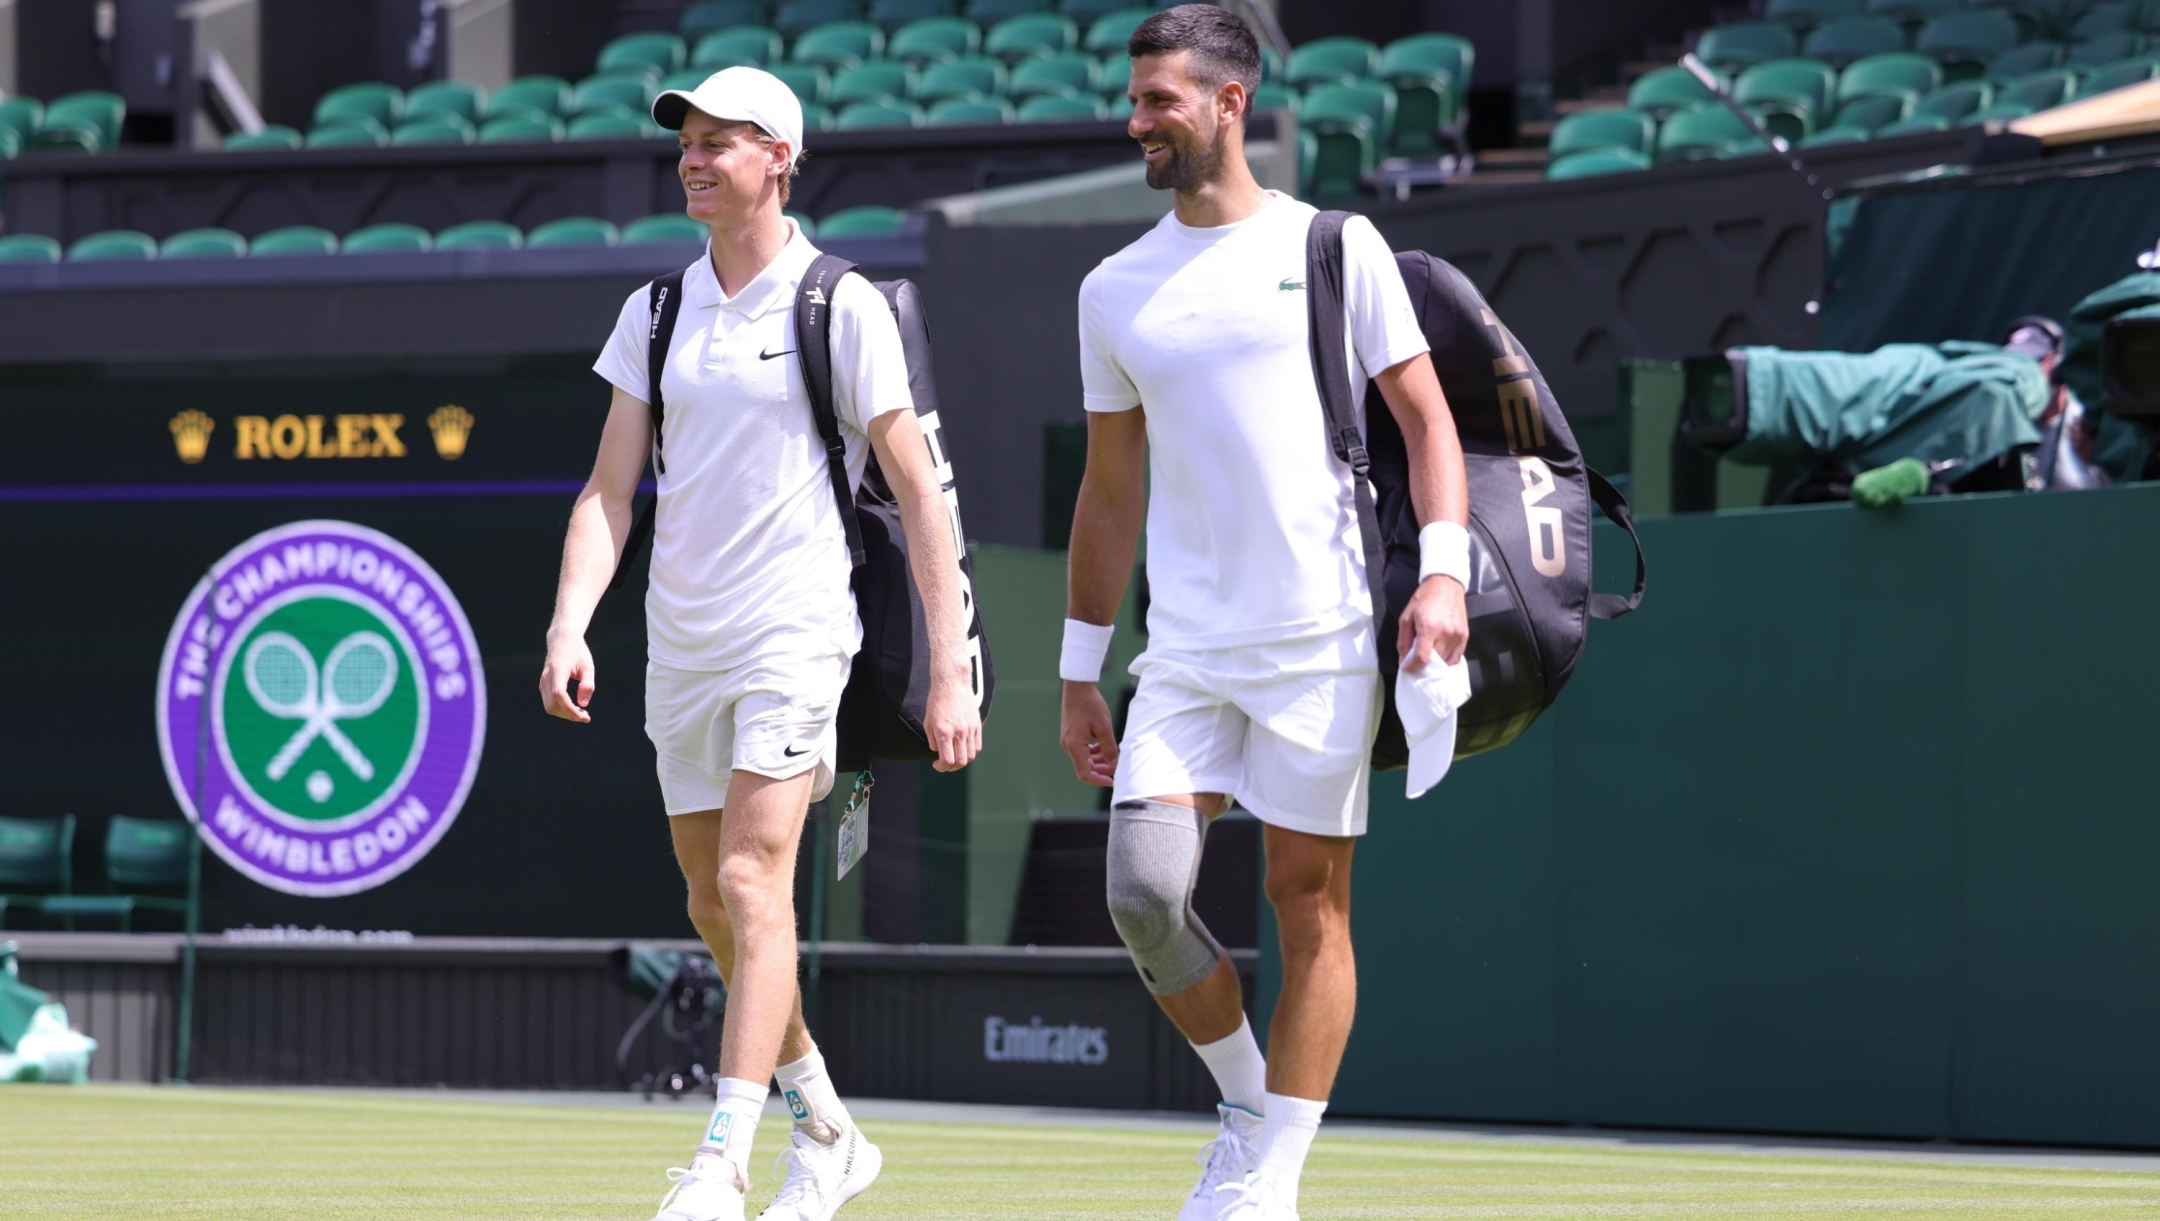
(1964, 403)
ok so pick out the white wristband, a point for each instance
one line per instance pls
(1086, 644)
(1444, 551)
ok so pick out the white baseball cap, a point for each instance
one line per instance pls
(1427, 703)
(739, 95)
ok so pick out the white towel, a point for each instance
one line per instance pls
(1427, 704)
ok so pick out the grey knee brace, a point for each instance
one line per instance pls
(1154, 863)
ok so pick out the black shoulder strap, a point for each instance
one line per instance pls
(813, 344)
(1615, 507)
(1331, 372)
(666, 303)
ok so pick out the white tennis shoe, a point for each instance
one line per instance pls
(1258, 1197)
(710, 1190)
(820, 1178)
(1225, 1160)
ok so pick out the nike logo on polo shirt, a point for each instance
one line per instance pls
(775, 355)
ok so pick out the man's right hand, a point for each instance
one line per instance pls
(568, 661)
(1085, 732)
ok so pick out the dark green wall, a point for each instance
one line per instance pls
(1852, 829)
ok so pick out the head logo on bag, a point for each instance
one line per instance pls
(321, 708)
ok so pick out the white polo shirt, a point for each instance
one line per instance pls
(1252, 532)
(749, 555)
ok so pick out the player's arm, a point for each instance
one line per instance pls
(1435, 622)
(952, 718)
(1106, 531)
(599, 528)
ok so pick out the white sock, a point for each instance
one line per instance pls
(734, 1122)
(1286, 1137)
(1240, 1070)
(811, 1098)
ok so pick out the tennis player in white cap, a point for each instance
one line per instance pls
(750, 623)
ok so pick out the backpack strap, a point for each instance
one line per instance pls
(666, 298)
(1326, 316)
(1615, 507)
(813, 344)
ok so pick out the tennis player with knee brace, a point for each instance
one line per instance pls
(1260, 681)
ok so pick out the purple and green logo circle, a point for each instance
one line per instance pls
(321, 708)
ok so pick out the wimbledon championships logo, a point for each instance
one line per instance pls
(321, 708)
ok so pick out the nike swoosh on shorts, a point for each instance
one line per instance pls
(775, 355)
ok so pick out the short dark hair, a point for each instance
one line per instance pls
(1223, 47)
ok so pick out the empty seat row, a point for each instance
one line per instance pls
(841, 43)
(87, 122)
(707, 16)
(2037, 18)
(127, 245)
(1965, 42)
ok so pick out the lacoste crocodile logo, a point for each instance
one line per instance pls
(1290, 286)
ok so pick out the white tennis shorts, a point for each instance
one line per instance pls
(1286, 729)
(773, 716)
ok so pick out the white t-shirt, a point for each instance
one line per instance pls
(749, 556)
(1252, 531)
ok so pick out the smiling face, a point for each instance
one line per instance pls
(1184, 124)
(729, 168)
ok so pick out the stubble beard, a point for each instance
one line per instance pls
(1188, 171)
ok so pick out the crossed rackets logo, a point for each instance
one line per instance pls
(352, 682)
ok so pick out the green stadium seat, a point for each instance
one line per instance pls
(664, 229)
(23, 116)
(1119, 107)
(1429, 73)
(1594, 163)
(353, 131)
(975, 76)
(796, 18)
(2039, 90)
(891, 15)
(876, 81)
(1955, 104)
(1912, 13)
(1064, 75)
(203, 244)
(2023, 58)
(113, 246)
(1869, 114)
(1270, 63)
(462, 98)
(379, 103)
(1964, 42)
(607, 94)
(272, 138)
(2002, 112)
(1846, 39)
(480, 235)
(807, 80)
(1332, 61)
(869, 116)
(608, 125)
(1837, 135)
(36, 853)
(293, 240)
(63, 137)
(817, 116)
(1704, 132)
(1665, 90)
(1899, 74)
(1347, 122)
(1049, 108)
(747, 47)
(934, 40)
(1742, 44)
(2100, 19)
(804, 223)
(1913, 126)
(387, 239)
(101, 111)
(839, 44)
(1031, 34)
(2120, 76)
(990, 12)
(868, 221)
(28, 248)
(10, 144)
(2105, 50)
(1112, 79)
(1088, 12)
(528, 127)
(654, 53)
(546, 94)
(573, 231)
(686, 80)
(1269, 96)
(1801, 88)
(1617, 127)
(139, 852)
(1109, 33)
(1807, 14)
(970, 112)
(712, 16)
(444, 128)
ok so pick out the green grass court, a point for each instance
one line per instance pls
(125, 1152)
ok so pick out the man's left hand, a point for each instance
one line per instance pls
(953, 723)
(1433, 625)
